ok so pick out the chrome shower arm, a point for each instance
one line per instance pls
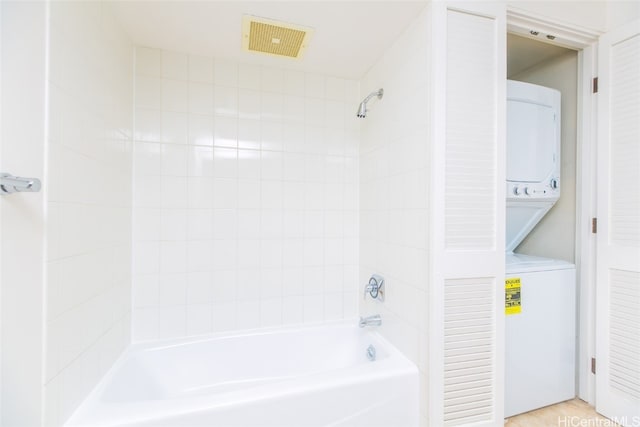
(377, 93)
(362, 108)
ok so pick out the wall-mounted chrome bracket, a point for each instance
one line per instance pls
(15, 184)
(375, 287)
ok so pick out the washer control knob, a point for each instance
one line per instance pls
(527, 191)
(553, 184)
(516, 191)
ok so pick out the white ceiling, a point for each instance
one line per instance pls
(350, 36)
(523, 53)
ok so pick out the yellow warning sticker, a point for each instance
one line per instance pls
(512, 296)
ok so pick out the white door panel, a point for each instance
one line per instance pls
(466, 379)
(618, 265)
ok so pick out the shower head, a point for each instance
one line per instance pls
(362, 109)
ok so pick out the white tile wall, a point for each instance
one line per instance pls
(89, 188)
(245, 196)
(394, 182)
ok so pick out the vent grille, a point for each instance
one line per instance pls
(274, 38)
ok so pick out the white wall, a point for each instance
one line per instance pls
(588, 14)
(245, 205)
(89, 191)
(394, 181)
(594, 14)
(1, 139)
(620, 12)
(23, 86)
(555, 234)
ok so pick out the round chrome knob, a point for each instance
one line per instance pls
(527, 191)
(516, 191)
(553, 184)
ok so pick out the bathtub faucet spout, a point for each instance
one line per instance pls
(374, 320)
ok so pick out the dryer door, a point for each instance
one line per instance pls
(531, 141)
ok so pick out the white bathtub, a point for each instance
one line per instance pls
(308, 376)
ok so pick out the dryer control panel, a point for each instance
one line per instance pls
(534, 190)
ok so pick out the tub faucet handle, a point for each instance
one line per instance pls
(375, 287)
(371, 353)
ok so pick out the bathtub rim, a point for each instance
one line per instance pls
(162, 343)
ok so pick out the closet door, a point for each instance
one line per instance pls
(466, 353)
(618, 265)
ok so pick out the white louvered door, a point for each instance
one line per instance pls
(466, 353)
(618, 277)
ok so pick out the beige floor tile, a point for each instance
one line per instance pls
(565, 414)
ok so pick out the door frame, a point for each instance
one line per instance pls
(522, 22)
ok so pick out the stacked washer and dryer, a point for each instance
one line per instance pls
(541, 322)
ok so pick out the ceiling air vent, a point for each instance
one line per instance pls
(273, 37)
